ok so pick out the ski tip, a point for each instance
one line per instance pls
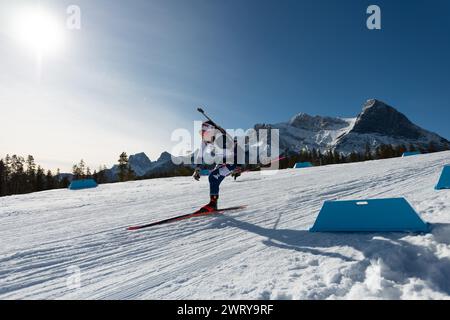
(132, 228)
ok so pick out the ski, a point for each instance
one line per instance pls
(184, 217)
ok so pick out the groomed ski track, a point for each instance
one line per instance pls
(261, 252)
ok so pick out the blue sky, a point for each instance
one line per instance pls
(138, 69)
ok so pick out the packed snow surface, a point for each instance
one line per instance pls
(262, 252)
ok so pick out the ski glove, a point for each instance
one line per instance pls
(236, 173)
(196, 174)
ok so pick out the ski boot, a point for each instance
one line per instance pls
(211, 206)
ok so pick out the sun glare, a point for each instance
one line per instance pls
(39, 31)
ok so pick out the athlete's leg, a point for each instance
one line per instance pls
(217, 176)
(215, 179)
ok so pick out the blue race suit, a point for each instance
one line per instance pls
(221, 171)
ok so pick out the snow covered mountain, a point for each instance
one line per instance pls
(262, 252)
(143, 166)
(139, 162)
(377, 124)
(164, 164)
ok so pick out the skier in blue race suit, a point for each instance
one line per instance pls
(222, 170)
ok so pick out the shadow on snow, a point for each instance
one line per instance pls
(401, 258)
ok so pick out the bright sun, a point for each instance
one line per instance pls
(39, 31)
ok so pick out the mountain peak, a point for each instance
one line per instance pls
(373, 103)
(139, 163)
(380, 118)
(299, 118)
(140, 157)
(165, 156)
(378, 123)
(316, 123)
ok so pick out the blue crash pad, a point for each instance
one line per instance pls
(82, 184)
(299, 165)
(377, 215)
(412, 153)
(444, 181)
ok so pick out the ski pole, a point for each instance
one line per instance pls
(215, 124)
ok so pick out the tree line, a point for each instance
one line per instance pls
(19, 175)
(384, 151)
(82, 171)
(125, 172)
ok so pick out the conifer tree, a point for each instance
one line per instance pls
(40, 179)
(3, 178)
(123, 167)
(49, 181)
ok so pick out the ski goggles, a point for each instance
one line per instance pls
(207, 129)
(207, 132)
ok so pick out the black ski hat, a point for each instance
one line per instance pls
(208, 125)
